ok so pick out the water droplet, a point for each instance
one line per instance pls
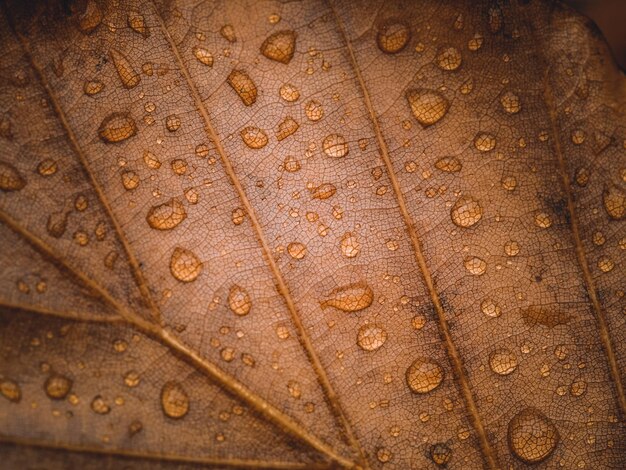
(511, 248)
(166, 216)
(476, 42)
(287, 127)
(393, 36)
(383, 455)
(532, 436)
(10, 178)
(228, 32)
(543, 220)
(238, 216)
(57, 386)
(137, 23)
(466, 212)
(440, 454)
(185, 265)
(291, 164)
(428, 106)
(495, 18)
(57, 224)
(578, 388)
(130, 180)
(314, 110)
(503, 362)
(128, 75)
(424, 375)
(203, 55)
(449, 58)
(614, 199)
(484, 142)
(578, 136)
(475, 265)
(350, 298)
(117, 127)
(289, 93)
(371, 337)
(296, 250)
(100, 406)
(350, 246)
(89, 20)
(581, 177)
(280, 46)
(449, 164)
(93, 87)
(174, 400)
(546, 316)
(172, 122)
(509, 183)
(132, 379)
(510, 102)
(47, 167)
(254, 137)
(335, 146)
(134, 427)
(151, 160)
(295, 390)
(239, 300)
(605, 264)
(10, 390)
(323, 191)
(240, 81)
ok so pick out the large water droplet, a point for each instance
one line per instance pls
(128, 75)
(185, 265)
(280, 46)
(239, 300)
(371, 337)
(614, 199)
(428, 106)
(254, 137)
(393, 36)
(10, 390)
(532, 436)
(166, 216)
(424, 375)
(350, 298)
(10, 178)
(243, 85)
(174, 400)
(466, 212)
(503, 361)
(335, 146)
(117, 127)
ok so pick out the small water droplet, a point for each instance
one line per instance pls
(132, 379)
(511, 248)
(128, 75)
(614, 199)
(151, 160)
(10, 390)
(137, 23)
(323, 191)
(449, 58)
(100, 406)
(393, 36)
(532, 436)
(172, 122)
(295, 390)
(174, 400)
(449, 164)
(93, 87)
(203, 55)
(371, 337)
(130, 180)
(440, 454)
(280, 46)
(240, 81)
(475, 265)
(503, 361)
(314, 110)
(510, 102)
(166, 216)
(10, 178)
(291, 164)
(287, 127)
(509, 183)
(47, 167)
(185, 265)
(495, 18)
(289, 93)
(605, 264)
(296, 250)
(476, 42)
(239, 300)
(56, 224)
(578, 388)
(350, 298)
(335, 146)
(91, 17)
(466, 212)
(424, 375)
(117, 127)
(350, 246)
(383, 455)
(543, 220)
(57, 386)
(484, 142)
(428, 106)
(254, 137)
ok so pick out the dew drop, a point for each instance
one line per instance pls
(128, 75)
(323, 191)
(349, 298)
(297, 250)
(424, 375)
(510, 102)
(428, 106)
(289, 92)
(475, 43)
(117, 127)
(287, 127)
(440, 454)
(57, 386)
(174, 400)
(239, 300)
(203, 55)
(614, 199)
(314, 110)
(371, 337)
(484, 142)
(137, 23)
(185, 265)
(166, 216)
(280, 46)
(475, 265)
(449, 58)
(10, 178)
(254, 137)
(10, 390)
(503, 362)
(532, 436)
(350, 246)
(100, 406)
(240, 81)
(392, 37)
(466, 212)
(449, 164)
(335, 146)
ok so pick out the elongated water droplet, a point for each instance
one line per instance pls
(424, 375)
(449, 164)
(137, 23)
(10, 390)
(128, 75)
(203, 55)
(240, 81)
(174, 400)
(503, 362)
(10, 178)
(350, 298)
(57, 386)
(47, 167)
(166, 216)
(185, 265)
(466, 212)
(335, 146)
(323, 191)
(393, 36)
(254, 137)
(371, 337)
(532, 436)
(287, 127)
(117, 127)
(350, 246)
(93, 87)
(614, 199)
(280, 46)
(495, 18)
(428, 106)
(239, 300)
